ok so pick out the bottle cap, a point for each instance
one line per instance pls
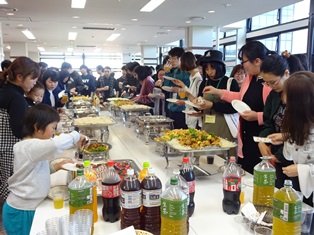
(86, 163)
(186, 159)
(151, 170)
(130, 172)
(110, 163)
(176, 171)
(146, 164)
(80, 172)
(232, 159)
(287, 183)
(174, 181)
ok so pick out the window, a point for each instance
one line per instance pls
(295, 42)
(296, 11)
(270, 43)
(230, 52)
(264, 20)
(231, 33)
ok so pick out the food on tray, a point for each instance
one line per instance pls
(116, 98)
(81, 97)
(93, 121)
(134, 107)
(122, 102)
(120, 167)
(193, 139)
(96, 147)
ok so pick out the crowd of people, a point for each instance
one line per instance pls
(193, 90)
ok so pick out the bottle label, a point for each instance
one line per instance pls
(262, 178)
(151, 198)
(80, 197)
(232, 184)
(288, 212)
(174, 210)
(131, 200)
(191, 186)
(110, 191)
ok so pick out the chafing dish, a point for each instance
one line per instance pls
(93, 156)
(152, 125)
(85, 111)
(129, 113)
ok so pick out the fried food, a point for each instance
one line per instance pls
(81, 97)
(122, 102)
(96, 147)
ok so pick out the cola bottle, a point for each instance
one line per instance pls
(188, 174)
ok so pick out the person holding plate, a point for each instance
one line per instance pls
(214, 109)
(254, 94)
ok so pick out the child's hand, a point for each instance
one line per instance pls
(83, 142)
(59, 165)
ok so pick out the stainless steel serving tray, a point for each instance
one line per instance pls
(84, 111)
(95, 126)
(136, 109)
(81, 103)
(154, 119)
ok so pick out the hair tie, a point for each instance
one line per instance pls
(285, 54)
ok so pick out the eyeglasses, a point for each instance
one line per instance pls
(243, 62)
(271, 84)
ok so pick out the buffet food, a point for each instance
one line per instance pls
(81, 97)
(93, 121)
(121, 102)
(97, 147)
(189, 139)
(132, 107)
(116, 98)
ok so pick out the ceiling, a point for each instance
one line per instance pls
(51, 20)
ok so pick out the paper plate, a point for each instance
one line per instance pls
(172, 100)
(240, 106)
(187, 102)
(166, 88)
(190, 111)
(169, 78)
(261, 139)
(70, 166)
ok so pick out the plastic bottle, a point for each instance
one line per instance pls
(111, 194)
(264, 183)
(173, 210)
(231, 188)
(144, 172)
(188, 174)
(91, 175)
(185, 188)
(80, 193)
(131, 201)
(287, 211)
(151, 188)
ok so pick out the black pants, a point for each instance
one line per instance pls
(179, 120)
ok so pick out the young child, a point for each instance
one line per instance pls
(35, 95)
(30, 182)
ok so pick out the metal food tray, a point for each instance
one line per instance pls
(85, 111)
(147, 108)
(96, 126)
(205, 149)
(154, 119)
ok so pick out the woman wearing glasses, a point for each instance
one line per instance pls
(254, 94)
(275, 71)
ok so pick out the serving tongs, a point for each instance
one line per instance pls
(81, 150)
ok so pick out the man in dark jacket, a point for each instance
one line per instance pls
(74, 82)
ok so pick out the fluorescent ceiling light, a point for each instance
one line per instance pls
(78, 3)
(41, 48)
(151, 5)
(113, 37)
(72, 36)
(29, 34)
(3, 2)
(8, 47)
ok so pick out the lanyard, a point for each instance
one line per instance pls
(219, 81)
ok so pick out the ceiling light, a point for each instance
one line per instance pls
(227, 5)
(70, 49)
(211, 11)
(29, 34)
(20, 25)
(8, 47)
(113, 37)
(75, 17)
(74, 27)
(10, 14)
(72, 36)
(151, 5)
(78, 3)
(188, 22)
(169, 30)
(134, 19)
(155, 36)
(123, 29)
(3, 2)
(41, 48)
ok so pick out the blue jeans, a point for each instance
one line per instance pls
(17, 222)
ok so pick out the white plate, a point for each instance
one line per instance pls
(172, 100)
(261, 139)
(166, 88)
(187, 102)
(240, 106)
(190, 111)
(70, 166)
(169, 78)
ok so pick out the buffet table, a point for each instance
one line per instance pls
(208, 215)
